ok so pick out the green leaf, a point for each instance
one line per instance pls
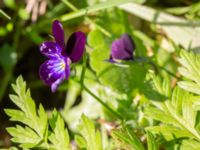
(127, 139)
(180, 30)
(28, 139)
(80, 141)
(191, 70)
(94, 42)
(123, 78)
(117, 20)
(169, 132)
(178, 10)
(178, 108)
(36, 133)
(190, 86)
(157, 114)
(35, 121)
(59, 136)
(152, 144)
(9, 3)
(90, 135)
(190, 145)
(96, 7)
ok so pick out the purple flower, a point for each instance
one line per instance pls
(60, 56)
(122, 49)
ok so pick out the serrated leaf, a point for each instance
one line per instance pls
(59, 136)
(178, 108)
(127, 139)
(190, 86)
(35, 122)
(91, 136)
(190, 66)
(80, 141)
(152, 144)
(28, 139)
(159, 115)
(168, 132)
(177, 99)
(190, 145)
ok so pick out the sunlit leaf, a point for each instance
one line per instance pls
(127, 139)
(179, 30)
(90, 134)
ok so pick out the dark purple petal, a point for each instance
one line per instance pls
(123, 48)
(128, 43)
(50, 49)
(58, 33)
(75, 46)
(53, 72)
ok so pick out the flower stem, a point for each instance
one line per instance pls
(94, 8)
(5, 15)
(91, 93)
(103, 30)
(102, 102)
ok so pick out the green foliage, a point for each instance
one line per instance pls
(152, 143)
(125, 78)
(36, 122)
(91, 138)
(126, 139)
(191, 70)
(97, 7)
(176, 112)
(173, 26)
(59, 136)
(152, 112)
(8, 57)
(35, 131)
(176, 108)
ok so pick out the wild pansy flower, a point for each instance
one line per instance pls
(60, 56)
(122, 49)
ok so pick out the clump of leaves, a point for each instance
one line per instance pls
(90, 138)
(177, 111)
(126, 138)
(35, 129)
(190, 70)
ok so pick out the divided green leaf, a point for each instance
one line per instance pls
(126, 139)
(90, 138)
(35, 131)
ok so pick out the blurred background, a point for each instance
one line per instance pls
(25, 24)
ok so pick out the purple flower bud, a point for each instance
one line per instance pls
(57, 67)
(122, 49)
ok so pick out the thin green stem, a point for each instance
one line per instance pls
(92, 94)
(102, 102)
(156, 67)
(83, 70)
(4, 14)
(70, 5)
(103, 30)
(169, 72)
(94, 8)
